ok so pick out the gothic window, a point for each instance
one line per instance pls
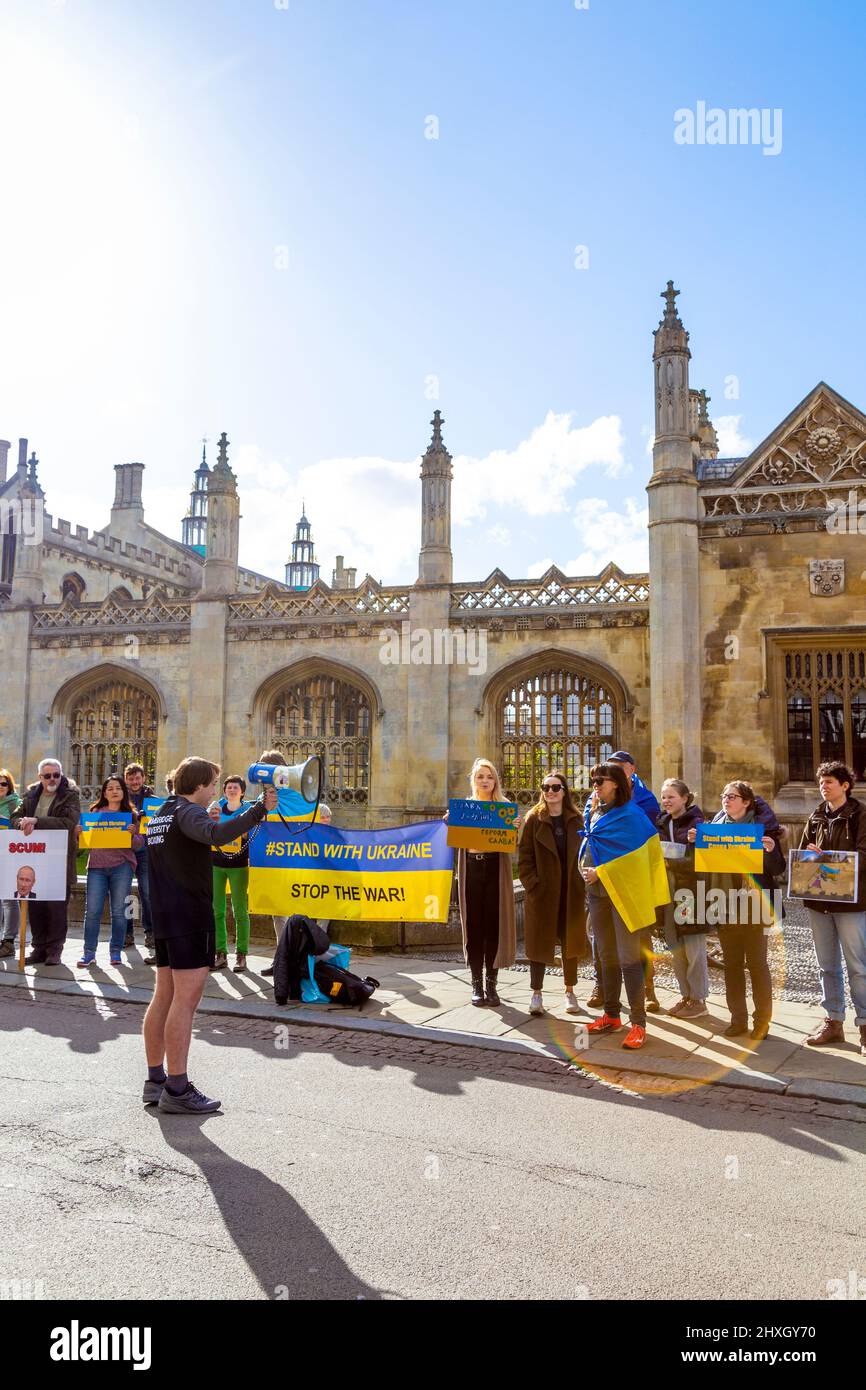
(825, 700)
(553, 718)
(7, 555)
(72, 587)
(331, 718)
(111, 724)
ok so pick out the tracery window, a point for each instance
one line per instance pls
(111, 724)
(553, 718)
(825, 696)
(329, 717)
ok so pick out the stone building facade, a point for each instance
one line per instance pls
(741, 653)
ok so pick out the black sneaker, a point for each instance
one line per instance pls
(736, 1030)
(148, 940)
(152, 1092)
(189, 1102)
(7, 948)
(268, 970)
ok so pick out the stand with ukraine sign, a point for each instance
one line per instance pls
(105, 830)
(730, 847)
(398, 875)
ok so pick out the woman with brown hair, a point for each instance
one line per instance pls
(554, 907)
(485, 894)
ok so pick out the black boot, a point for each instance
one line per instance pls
(478, 998)
(490, 989)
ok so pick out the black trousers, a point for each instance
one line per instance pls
(482, 912)
(745, 948)
(48, 926)
(569, 963)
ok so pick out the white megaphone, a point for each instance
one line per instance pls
(302, 779)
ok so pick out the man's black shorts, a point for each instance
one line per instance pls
(186, 952)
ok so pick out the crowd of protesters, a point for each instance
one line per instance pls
(568, 909)
(199, 860)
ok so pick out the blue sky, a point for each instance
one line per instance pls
(221, 214)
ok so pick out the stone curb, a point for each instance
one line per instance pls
(688, 1069)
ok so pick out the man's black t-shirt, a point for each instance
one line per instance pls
(180, 862)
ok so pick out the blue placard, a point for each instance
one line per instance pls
(464, 812)
(712, 834)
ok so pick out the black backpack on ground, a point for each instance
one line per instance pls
(341, 986)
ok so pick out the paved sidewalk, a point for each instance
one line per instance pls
(430, 999)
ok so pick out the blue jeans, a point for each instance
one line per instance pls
(689, 957)
(838, 934)
(9, 919)
(621, 959)
(141, 874)
(115, 884)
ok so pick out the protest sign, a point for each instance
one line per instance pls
(149, 807)
(105, 830)
(482, 825)
(398, 875)
(830, 874)
(725, 847)
(33, 867)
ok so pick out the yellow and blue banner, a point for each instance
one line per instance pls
(149, 807)
(482, 825)
(728, 847)
(397, 875)
(105, 830)
(627, 852)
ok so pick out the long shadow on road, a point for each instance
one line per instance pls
(284, 1249)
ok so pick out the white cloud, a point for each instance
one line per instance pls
(368, 509)
(500, 535)
(538, 568)
(539, 472)
(607, 534)
(732, 444)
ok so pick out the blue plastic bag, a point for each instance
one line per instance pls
(310, 992)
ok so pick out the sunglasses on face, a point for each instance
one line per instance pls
(4, 781)
(599, 781)
(553, 787)
(51, 776)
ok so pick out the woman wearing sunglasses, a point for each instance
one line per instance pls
(10, 801)
(619, 949)
(554, 907)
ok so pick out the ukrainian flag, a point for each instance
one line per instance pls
(627, 852)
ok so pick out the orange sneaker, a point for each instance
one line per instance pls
(636, 1038)
(605, 1024)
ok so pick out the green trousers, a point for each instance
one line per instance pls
(237, 880)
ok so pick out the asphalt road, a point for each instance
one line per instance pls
(349, 1167)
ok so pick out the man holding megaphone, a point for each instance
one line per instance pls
(298, 791)
(179, 839)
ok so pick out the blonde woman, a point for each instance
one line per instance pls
(485, 893)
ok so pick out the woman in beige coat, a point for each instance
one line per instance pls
(485, 893)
